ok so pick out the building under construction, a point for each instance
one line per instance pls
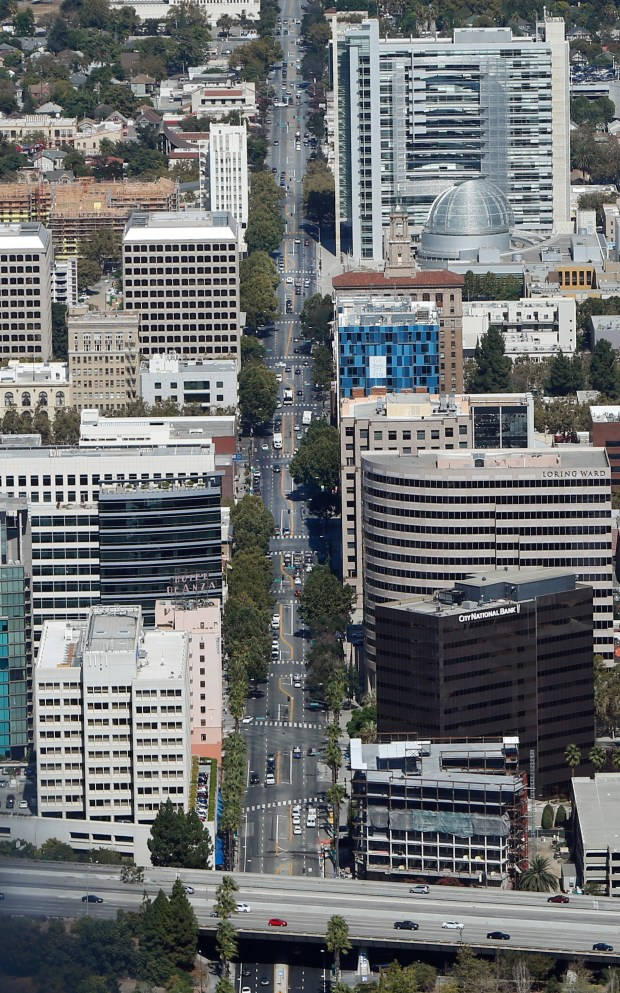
(74, 210)
(426, 811)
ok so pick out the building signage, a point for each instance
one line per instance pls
(484, 615)
(573, 473)
(195, 582)
(377, 367)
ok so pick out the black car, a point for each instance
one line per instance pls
(91, 898)
(498, 935)
(10, 802)
(254, 779)
(300, 393)
(602, 946)
(1, 896)
(406, 926)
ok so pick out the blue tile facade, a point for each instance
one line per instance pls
(399, 356)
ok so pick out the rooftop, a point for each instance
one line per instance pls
(409, 405)
(440, 761)
(598, 802)
(609, 412)
(34, 372)
(575, 459)
(172, 225)
(386, 310)
(128, 432)
(172, 363)
(23, 237)
(367, 280)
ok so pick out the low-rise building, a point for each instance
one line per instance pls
(219, 101)
(606, 327)
(435, 811)
(26, 386)
(213, 10)
(104, 358)
(533, 327)
(164, 432)
(209, 383)
(56, 131)
(596, 831)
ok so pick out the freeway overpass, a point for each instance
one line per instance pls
(306, 903)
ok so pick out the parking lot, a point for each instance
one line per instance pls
(17, 790)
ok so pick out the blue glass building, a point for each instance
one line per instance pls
(392, 343)
(15, 629)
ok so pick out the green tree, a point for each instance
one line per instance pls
(335, 691)
(598, 757)
(58, 36)
(318, 193)
(337, 939)
(227, 944)
(335, 797)
(155, 939)
(226, 897)
(606, 696)
(102, 246)
(538, 877)
(251, 349)
(470, 973)
(491, 372)
(89, 273)
(67, 426)
(184, 928)
(179, 839)
(565, 375)
(323, 367)
(547, 817)
(76, 162)
(317, 463)
(54, 850)
(326, 603)
(252, 524)
(603, 369)
(489, 286)
(265, 229)
(23, 22)
(560, 817)
(572, 757)
(258, 279)
(59, 331)
(258, 394)
(316, 318)
(333, 757)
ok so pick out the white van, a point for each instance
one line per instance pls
(275, 622)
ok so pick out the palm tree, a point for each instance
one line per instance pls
(225, 898)
(598, 757)
(369, 733)
(572, 757)
(335, 795)
(337, 939)
(538, 878)
(226, 941)
(333, 758)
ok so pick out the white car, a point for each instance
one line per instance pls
(270, 779)
(247, 719)
(453, 925)
(289, 279)
(243, 908)
(297, 829)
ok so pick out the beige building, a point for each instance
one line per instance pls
(26, 386)
(25, 292)
(407, 423)
(56, 131)
(104, 360)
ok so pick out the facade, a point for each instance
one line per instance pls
(64, 282)
(406, 424)
(25, 291)
(57, 131)
(437, 518)
(98, 432)
(415, 116)
(596, 837)
(28, 386)
(181, 275)
(112, 718)
(443, 289)
(217, 102)
(15, 629)
(605, 433)
(533, 327)
(160, 540)
(510, 652)
(390, 343)
(228, 172)
(202, 620)
(210, 383)
(104, 359)
(435, 811)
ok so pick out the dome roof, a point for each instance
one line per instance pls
(476, 207)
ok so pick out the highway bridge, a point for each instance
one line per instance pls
(306, 903)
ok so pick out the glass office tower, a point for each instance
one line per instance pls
(15, 630)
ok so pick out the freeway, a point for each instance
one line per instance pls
(370, 908)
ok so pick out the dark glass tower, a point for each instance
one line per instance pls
(15, 629)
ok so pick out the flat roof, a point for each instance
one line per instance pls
(428, 757)
(181, 225)
(605, 414)
(115, 631)
(518, 461)
(426, 405)
(598, 802)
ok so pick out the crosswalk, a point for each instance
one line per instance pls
(288, 662)
(283, 803)
(306, 725)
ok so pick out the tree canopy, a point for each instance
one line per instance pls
(258, 280)
(178, 839)
(258, 394)
(491, 373)
(325, 604)
(316, 318)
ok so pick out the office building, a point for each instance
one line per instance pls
(26, 386)
(104, 358)
(594, 827)
(406, 424)
(533, 327)
(442, 289)
(25, 292)
(605, 433)
(508, 652)
(437, 518)
(112, 718)
(416, 116)
(439, 811)
(202, 621)
(391, 343)
(64, 282)
(15, 629)
(228, 172)
(181, 274)
(208, 383)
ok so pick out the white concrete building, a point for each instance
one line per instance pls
(156, 10)
(210, 383)
(57, 131)
(228, 172)
(596, 831)
(181, 274)
(112, 714)
(64, 282)
(533, 327)
(25, 291)
(98, 432)
(218, 101)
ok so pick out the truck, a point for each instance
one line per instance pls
(307, 418)
(287, 396)
(277, 441)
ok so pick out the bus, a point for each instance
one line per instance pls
(288, 397)
(277, 441)
(307, 418)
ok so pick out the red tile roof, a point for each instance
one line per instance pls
(367, 280)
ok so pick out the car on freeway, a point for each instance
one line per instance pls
(406, 926)
(602, 946)
(243, 908)
(419, 888)
(91, 898)
(558, 898)
(297, 752)
(275, 922)
(254, 779)
(188, 889)
(453, 925)
(1, 896)
(298, 371)
(498, 935)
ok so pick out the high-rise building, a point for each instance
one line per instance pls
(15, 629)
(442, 289)
(391, 343)
(415, 116)
(407, 423)
(104, 358)
(228, 172)
(25, 291)
(112, 718)
(437, 518)
(507, 653)
(181, 275)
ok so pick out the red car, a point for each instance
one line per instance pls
(558, 898)
(276, 922)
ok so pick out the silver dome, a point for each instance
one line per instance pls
(476, 207)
